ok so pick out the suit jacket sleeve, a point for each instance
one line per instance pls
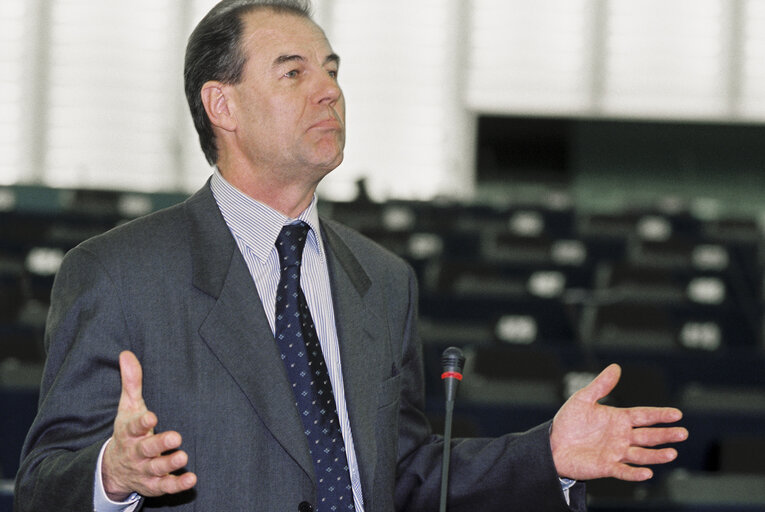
(79, 391)
(513, 472)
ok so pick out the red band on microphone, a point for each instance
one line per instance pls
(455, 375)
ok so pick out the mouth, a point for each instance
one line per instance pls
(327, 124)
(333, 122)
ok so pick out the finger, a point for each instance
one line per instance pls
(156, 445)
(166, 464)
(131, 375)
(645, 456)
(656, 436)
(632, 474)
(172, 484)
(141, 424)
(167, 484)
(646, 416)
(602, 385)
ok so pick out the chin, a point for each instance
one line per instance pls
(331, 161)
(338, 160)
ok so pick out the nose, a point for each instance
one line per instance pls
(327, 89)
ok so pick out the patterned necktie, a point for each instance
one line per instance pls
(301, 352)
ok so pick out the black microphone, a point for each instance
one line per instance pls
(452, 362)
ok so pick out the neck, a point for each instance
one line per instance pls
(287, 197)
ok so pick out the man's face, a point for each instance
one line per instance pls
(289, 107)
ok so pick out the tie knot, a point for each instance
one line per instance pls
(290, 243)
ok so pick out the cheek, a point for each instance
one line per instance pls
(340, 108)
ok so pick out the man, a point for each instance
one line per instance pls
(168, 383)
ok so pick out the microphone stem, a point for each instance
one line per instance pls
(446, 454)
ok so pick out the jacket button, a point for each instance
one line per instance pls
(305, 507)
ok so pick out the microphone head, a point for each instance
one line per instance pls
(452, 361)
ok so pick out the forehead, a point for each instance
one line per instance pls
(269, 34)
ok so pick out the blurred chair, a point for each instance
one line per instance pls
(511, 320)
(504, 375)
(11, 287)
(734, 265)
(21, 343)
(693, 489)
(613, 494)
(445, 332)
(41, 265)
(462, 425)
(706, 398)
(6, 495)
(21, 375)
(519, 304)
(22, 405)
(105, 205)
(19, 230)
(628, 327)
(742, 454)
(359, 215)
(665, 308)
(642, 384)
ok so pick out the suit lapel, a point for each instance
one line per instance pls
(236, 329)
(361, 351)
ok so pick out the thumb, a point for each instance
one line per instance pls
(602, 385)
(131, 374)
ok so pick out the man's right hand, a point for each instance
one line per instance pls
(136, 459)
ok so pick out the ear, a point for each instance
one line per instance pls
(215, 97)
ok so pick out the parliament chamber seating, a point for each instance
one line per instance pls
(540, 297)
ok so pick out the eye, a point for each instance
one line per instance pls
(332, 73)
(292, 74)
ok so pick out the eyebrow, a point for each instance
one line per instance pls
(283, 59)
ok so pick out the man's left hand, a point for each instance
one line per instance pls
(590, 440)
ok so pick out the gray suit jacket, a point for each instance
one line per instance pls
(173, 288)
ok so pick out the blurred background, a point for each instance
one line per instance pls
(576, 182)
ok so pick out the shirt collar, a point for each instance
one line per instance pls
(257, 224)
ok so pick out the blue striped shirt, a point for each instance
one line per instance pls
(255, 227)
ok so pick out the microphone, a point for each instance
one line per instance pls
(452, 362)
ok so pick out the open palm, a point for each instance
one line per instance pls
(590, 440)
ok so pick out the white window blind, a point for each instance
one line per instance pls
(91, 92)
(752, 99)
(666, 58)
(530, 57)
(112, 112)
(15, 48)
(398, 72)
